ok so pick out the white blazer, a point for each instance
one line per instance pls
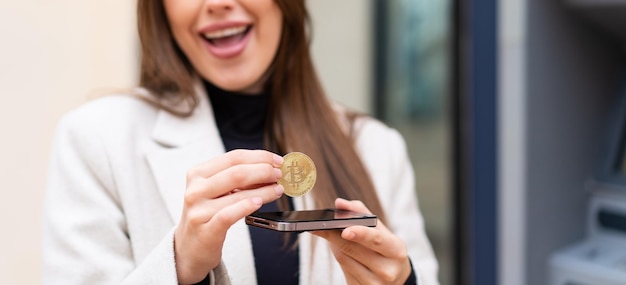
(115, 195)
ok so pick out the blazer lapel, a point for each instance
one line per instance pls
(183, 143)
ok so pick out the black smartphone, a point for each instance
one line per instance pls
(310, 220)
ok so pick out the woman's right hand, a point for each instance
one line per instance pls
(219, 193)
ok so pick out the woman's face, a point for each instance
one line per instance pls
(231, 43)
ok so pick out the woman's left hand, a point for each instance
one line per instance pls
(368, 255)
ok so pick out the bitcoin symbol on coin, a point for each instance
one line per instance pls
(299, 174)
(295, 174)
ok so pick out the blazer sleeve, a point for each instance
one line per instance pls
(387, 158)
(85, 236)
(411, 228)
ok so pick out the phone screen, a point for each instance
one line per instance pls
(310, 220)
(312, 215)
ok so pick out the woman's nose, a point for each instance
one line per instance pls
(219, 6)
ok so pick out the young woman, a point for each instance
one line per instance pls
(151, 187)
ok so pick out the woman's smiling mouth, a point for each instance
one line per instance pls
(227, 42)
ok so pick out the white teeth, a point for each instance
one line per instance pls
(224, 32)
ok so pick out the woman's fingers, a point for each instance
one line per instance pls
(378, 239)
(227, 216)
(376, 249)
(219, 193)
(235, 170)
(355, 272)
(267, 194)
(238, 177)
(198, 248)
(207, 208)
(354, 250)
(364, 264)
(355, 206)
(232, 158)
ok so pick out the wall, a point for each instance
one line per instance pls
(54, 55)
(512, 145)
(342, 49)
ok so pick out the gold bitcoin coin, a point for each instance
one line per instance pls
(299, 174)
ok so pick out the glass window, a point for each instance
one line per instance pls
(414, 56)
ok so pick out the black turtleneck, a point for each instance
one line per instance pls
(240, 119)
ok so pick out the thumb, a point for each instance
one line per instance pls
(354, 205)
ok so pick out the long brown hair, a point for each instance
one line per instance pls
(300, 117)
